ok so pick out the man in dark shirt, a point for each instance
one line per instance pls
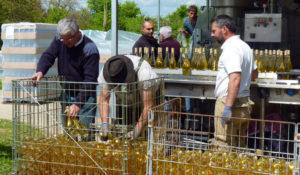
(147, 39)
(78, 61)
(168, 41)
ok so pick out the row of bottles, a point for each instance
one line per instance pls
(218, 163)
(207, 59)
(60, 155)
(273, 60)
(199, 60)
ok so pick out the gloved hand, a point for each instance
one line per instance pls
(131, 135)
(104, 131)
(226, 114)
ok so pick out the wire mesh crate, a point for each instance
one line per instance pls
(47, 140)
(172, 149)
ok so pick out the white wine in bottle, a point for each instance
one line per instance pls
(211, 60)
(272, 58)
(167, 58)
(159, 63)
(172, 63)
(280, 62)
(136, 51)
(198, 61)
(261, 66)
(267, 60)
(152, 57)
(141, 52)
(203, 60)
(147, 55)
(186, 66)
(179, 63)
(287, 60)
(194, 58)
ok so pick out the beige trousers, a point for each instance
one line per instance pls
(233, 133)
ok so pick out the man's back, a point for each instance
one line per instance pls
(171, 43)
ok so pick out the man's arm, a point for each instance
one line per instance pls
(48, 57)
(233, 88)
(90, 74)
(254, 75)
(148, 101)
(104, 106)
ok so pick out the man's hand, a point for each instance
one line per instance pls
(72, 111)
(102, 134)
(37, 77)
(131, 135)
(226, 114)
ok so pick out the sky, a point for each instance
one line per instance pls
(150, 7)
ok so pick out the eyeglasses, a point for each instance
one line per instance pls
(68, 40)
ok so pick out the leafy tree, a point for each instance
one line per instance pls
(58, 9)
(54, 14)
(17, 11)
(176, 18)
(83, 17)
(101, 11)
(130, 17)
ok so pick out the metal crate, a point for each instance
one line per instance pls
(43, 144)
(172, 149)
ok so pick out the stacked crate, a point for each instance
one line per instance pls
(23, 44)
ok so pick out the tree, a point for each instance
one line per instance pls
(83, 17)
(101, 12)
(176, 18)
(130, 16)
(59, 9)
(17, 11)
(54, 14)
(69, 5)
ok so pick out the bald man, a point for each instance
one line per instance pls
(147, 39)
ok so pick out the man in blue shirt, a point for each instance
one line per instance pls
(78, 61)
(189, 22)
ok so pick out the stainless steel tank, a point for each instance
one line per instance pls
(233, 8)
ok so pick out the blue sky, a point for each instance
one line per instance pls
(150, 7)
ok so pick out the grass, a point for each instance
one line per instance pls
(5, 146)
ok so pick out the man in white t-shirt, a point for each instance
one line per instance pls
(127, 69)
(236, 69)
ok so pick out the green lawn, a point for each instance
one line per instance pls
(5, 146)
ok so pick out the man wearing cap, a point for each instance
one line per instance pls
(126, 69)
(168, 41)
(78, 61)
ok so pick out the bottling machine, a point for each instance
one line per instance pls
(263, 24)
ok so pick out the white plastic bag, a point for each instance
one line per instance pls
(181, 39)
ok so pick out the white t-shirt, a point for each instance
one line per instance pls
(236, 57)
(145, 71)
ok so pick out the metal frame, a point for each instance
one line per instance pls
(43, 144)
(174, 150)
